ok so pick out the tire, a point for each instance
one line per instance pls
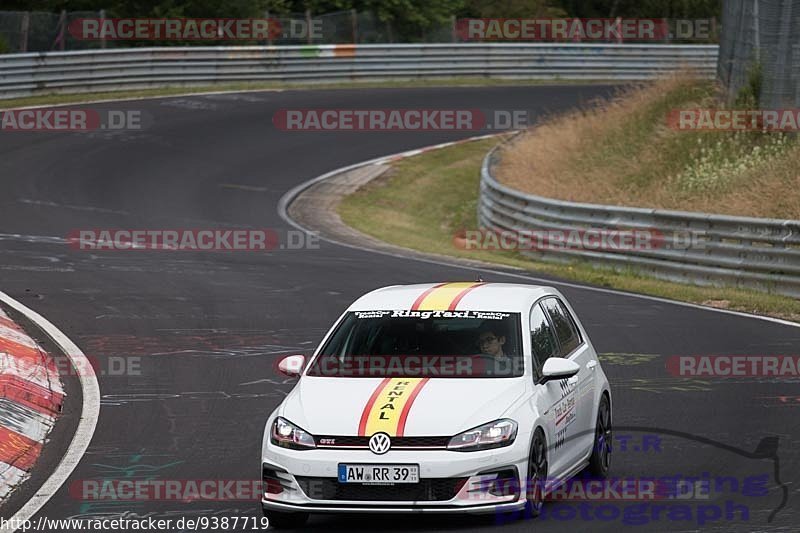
(600, 460)
(537, 475)
(281, 520)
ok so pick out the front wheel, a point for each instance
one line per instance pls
(537, 475)
(281, 520)
(600, 461)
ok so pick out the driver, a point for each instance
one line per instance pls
(491, 341)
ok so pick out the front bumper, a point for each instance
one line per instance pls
(469, 474)
(400, 509)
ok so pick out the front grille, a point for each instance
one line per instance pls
(427, 490)
(397, 442)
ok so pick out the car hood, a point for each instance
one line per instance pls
(437, 406)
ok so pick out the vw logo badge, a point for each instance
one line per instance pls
(380, 443)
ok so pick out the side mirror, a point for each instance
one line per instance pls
(292, 365)
(557, 368)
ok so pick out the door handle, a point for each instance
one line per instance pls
(591, 364)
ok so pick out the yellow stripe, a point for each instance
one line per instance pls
(385, 413)
(439, 299)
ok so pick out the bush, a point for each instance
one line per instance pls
(750, 94)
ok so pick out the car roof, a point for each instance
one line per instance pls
(460, 296)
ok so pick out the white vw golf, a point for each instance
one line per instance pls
(454, 397)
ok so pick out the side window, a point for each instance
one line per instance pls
(543, 342)
(564, 325)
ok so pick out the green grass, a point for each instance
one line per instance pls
(55, 99)
(423, 201)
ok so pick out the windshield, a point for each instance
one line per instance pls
(460, 344)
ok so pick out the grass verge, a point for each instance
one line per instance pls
(57, 99)
(623, 152)
(423, 201)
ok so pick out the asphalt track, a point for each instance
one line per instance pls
(208, 326)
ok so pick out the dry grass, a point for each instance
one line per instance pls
(622, 152)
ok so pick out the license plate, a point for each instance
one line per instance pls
(384, 474)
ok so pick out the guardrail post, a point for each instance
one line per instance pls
(308, 25)
(103, 34)
(62, 30)
(269, 27)
(354, 23)
(24, 29)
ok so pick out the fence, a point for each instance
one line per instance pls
(762, 35)
(762, 254)
(29, 31)
(96, 70)
(39, 31)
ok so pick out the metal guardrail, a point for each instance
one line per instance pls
(761, 254)
(137, 68)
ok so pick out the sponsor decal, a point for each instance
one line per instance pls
(425, 315)
(565, 412)
(388, 407)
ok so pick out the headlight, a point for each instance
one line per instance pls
(492, 435)
(287, 435)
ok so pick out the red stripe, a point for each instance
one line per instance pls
(24, 352)
(30, 395)
(418, 301)
(18, 450)
(401, 425)
(461, 295)
(31, 356)
(7, 322)
(362, 425)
